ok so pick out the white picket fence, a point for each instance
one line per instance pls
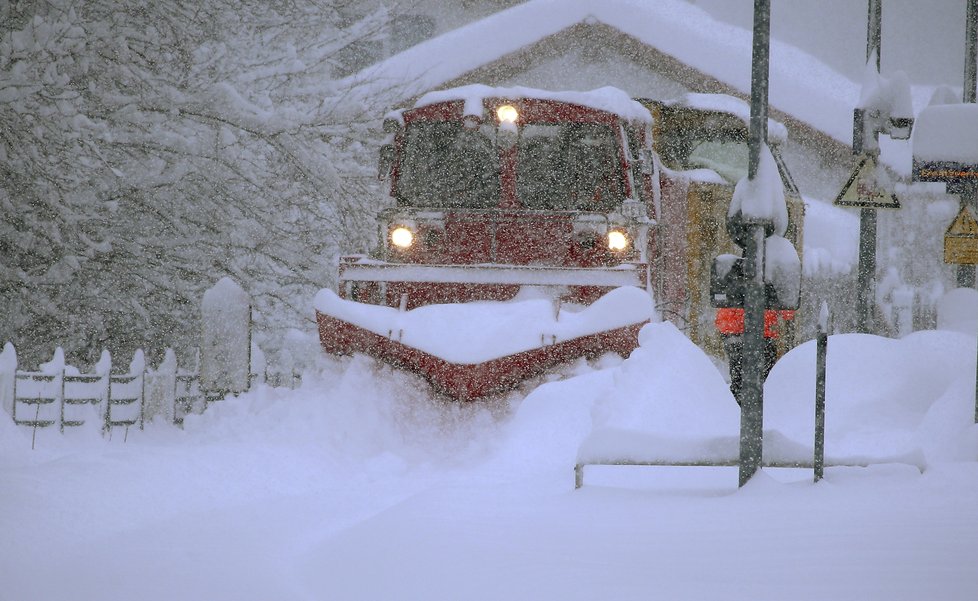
(58, 395)
(229, 360)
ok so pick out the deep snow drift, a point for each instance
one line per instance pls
(360, 485)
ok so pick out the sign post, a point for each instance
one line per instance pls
(866, 191)
(969, 194)
(961, 248)
(752, 403)
(743, 282)
(885, 108)
(945, 149)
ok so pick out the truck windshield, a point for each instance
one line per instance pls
(564, 166)
(717, 141)
(445, 165)
(568, 166)
(727, 157)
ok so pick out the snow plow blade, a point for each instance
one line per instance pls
(472, 350)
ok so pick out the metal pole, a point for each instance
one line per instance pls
(752, 395)
(752, 391)
(969, 197)
(874, 28)
(759, 75)
(971, 52)
(821, 351)
(866, 274)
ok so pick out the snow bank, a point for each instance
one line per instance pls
(481, 331)
(668, 400)
(885, 399)
(319, 492)
(355, 417)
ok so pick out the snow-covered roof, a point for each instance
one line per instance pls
(732, 105)
(607, 99)
(947, 132)
(801, 85)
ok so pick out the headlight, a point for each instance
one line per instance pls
(617, 240)
(402, 237)
(507, 113)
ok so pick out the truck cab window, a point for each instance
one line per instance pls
(568, 167)
(445, 165)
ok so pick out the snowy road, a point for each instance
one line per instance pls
(360, 486)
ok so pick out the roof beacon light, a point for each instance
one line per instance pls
(507, 113)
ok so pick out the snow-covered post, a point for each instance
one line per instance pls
(969, 193)
(104, 369)
(56, 368)
(768, 276)
(225, 357)
(866, 270)
(8, 375)
(258, 364)
(821, 353)
(884, 107)
(752, 397)
(161, 388)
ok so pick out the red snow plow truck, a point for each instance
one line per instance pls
(521, 236)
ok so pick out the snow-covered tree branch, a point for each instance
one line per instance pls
(149, 149)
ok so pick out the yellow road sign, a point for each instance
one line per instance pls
(863, 190)
(961, 239)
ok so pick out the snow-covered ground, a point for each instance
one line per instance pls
(360, 485)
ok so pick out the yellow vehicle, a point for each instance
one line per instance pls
(701, 143)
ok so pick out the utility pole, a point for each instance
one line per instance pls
(969, 195)
(752, 397)
(866, 275)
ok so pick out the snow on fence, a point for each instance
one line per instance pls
(59, 395)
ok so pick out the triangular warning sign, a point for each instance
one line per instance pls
(964, 224)
(961, 239)
(862, 189)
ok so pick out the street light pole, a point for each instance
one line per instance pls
(969, 196)
(752, 393)
(866, 274)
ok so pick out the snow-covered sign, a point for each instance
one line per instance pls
(961, 239)
(866, 188)
(225, 348)
(945, 144)
(759, 200)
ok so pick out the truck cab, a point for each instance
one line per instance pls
(494, 189)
